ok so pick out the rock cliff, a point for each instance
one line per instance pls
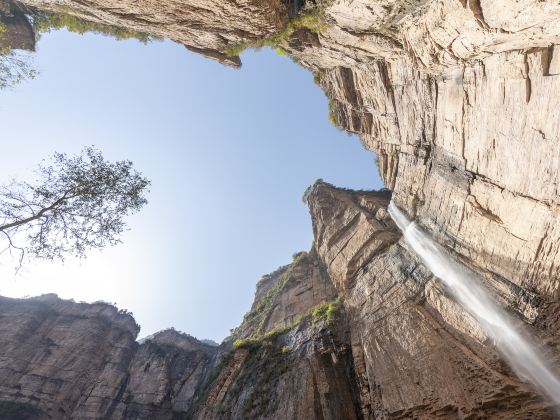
(459, 99)
(61, 359)
(355, 328)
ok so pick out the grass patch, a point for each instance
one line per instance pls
(243, 343)
(378, 165)
(332, 113)
(326, 311)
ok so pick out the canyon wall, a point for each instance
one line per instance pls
(355, 328)
(459, 100)
(60, 359)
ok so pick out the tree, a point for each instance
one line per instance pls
(77, 203)
(15, 66)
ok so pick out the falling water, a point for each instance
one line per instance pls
(464, 285)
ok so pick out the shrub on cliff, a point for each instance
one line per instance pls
(325, 311)
(312, 19)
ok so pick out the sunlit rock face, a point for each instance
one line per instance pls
(355, 328)
(460, 101)
(203, 26)
(472, 155)
(417, 354)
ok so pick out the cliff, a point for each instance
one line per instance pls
(61, 359)
(355, 328)
(459, 101)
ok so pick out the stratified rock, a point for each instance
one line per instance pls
(203, 26)
(16, 32)
(460, 101)
(417, 354)
(77, 360)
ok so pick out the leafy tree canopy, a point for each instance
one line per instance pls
(77, 203)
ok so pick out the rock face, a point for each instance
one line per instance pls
(417, 354)
(203, 26)
(356, 328)
(16, 32)
(60, 359)
(459, 99)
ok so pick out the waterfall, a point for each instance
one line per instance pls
(512, 342)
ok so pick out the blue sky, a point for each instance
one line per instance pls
(229, 152)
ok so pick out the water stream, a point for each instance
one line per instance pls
(514, 344)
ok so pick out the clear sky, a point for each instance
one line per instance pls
(229, 152)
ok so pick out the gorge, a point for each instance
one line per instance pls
(459, 101)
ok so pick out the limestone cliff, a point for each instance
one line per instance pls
(355, 328)
(60, 359)
(459, 99)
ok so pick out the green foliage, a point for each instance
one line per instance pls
(326, 311)
(243, 343)
(307, 194)
(77, 203)
(312, 20)
(300, 257)
(46, 22)
(234, 50)
(282, 330)
(15, 67)
(378, 165)
(257, 316)
(18, 411)
(308, 191)
(332, 113)
(280, 51)
(317, 77)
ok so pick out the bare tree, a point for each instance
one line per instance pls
(77, 203)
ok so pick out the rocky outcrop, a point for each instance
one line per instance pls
(417, 354)
(305, 373)
(60, 359)
(289, 358)
(356, 328)
(459, 101)
(205, 27)
(287, 293)
(16, 32)
(468, 154)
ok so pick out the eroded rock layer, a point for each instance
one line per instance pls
(62, 360)
(459, 99)
(357, 328)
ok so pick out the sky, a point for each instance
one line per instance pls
(229, 153)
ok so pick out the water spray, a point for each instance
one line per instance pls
(465, 286)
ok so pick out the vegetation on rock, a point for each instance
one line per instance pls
(44, 22)
(312, 19)
(326, 312)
